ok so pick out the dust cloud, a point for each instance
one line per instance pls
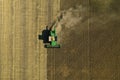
(70, 18)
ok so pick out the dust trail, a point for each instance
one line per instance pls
(70, 18)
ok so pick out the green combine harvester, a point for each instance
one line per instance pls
(49, 36)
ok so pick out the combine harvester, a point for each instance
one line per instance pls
(49, 36)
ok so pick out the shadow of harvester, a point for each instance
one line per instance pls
(44, 36)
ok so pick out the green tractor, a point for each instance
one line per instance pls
(52, 40)
(49, 36)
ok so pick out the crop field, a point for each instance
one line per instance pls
(89, 36)
(90, 48)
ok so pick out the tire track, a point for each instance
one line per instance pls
(1, 29)
(24, 55)
(6, 36)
